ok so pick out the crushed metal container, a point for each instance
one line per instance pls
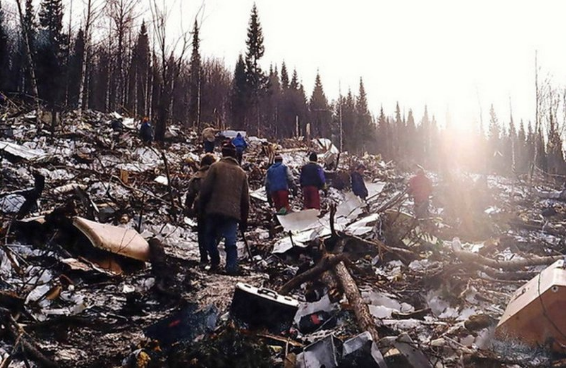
(535, 313)
(324, 353)
(256, 308)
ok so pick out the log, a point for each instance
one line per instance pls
(364, 318)
(325, 264)
(507, 265)
(27, 344)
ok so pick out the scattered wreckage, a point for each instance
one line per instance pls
(95, 248)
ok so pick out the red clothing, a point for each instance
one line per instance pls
(280, 199)
(311, 197)
(420, 187)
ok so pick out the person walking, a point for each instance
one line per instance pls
(240, 143)
(146, 131)
(191, 203)
(224, 201)
(420, 188)
(312, 180)
(277, 183)
(208, 139)
(358, 184)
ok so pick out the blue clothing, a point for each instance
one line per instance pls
(278, 178)
(358, 185)
(208, 147)
(312, 175)
(218, 226)
(146, 132)
(240, 143)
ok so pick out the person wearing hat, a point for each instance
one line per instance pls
(277, 183)
(191, 203)
(358, 184)
(312, 180)
(420, 188)
(208, 139)
(224, 202)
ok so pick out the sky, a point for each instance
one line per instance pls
(456, 57)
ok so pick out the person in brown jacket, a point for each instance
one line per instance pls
(225, 202)
(191, 202)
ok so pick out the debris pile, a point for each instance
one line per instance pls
(96, 247)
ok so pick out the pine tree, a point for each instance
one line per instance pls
(141, 72)
(365, 129)
(348, 111)
(51, 50)
(294, 81)
(256, 81)
(75, 68)
(29, 20)
(239, 95)
(383, 141)
(397, 134)
(284, 76)
(320, 113)
(555, 155)
(195, 77)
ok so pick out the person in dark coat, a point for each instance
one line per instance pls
(224, 200)
(312, 180)
(358, 184)
(240, 143)
(146, 131)
(191, 203)
(277, 183)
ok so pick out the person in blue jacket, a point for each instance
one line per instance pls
(146, 131)
(240, 143)
(358, 184)
(312, 180)
(277, 183)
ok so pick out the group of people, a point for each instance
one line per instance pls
(218, 195)
(279, 181)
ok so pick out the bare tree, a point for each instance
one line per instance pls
(171, 55)
(123, 16)
(92, 12)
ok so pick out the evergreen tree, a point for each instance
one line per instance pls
(348, 112)
(75, 68)
(239, 93)
(383, 141)
(284, 76)
(195, 77)
(294, 80)
(141, 73)
(397, 134)
(365, 130)
(320, 113)
(256, 81)
(542, 162)
(29, 21)
(51, 50)
(555, 155)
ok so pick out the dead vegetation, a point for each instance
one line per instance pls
(429, 292)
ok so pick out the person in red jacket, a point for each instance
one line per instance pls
(420, 188)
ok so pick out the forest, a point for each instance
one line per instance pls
(114, 58)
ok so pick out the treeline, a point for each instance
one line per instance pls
(130, 66)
